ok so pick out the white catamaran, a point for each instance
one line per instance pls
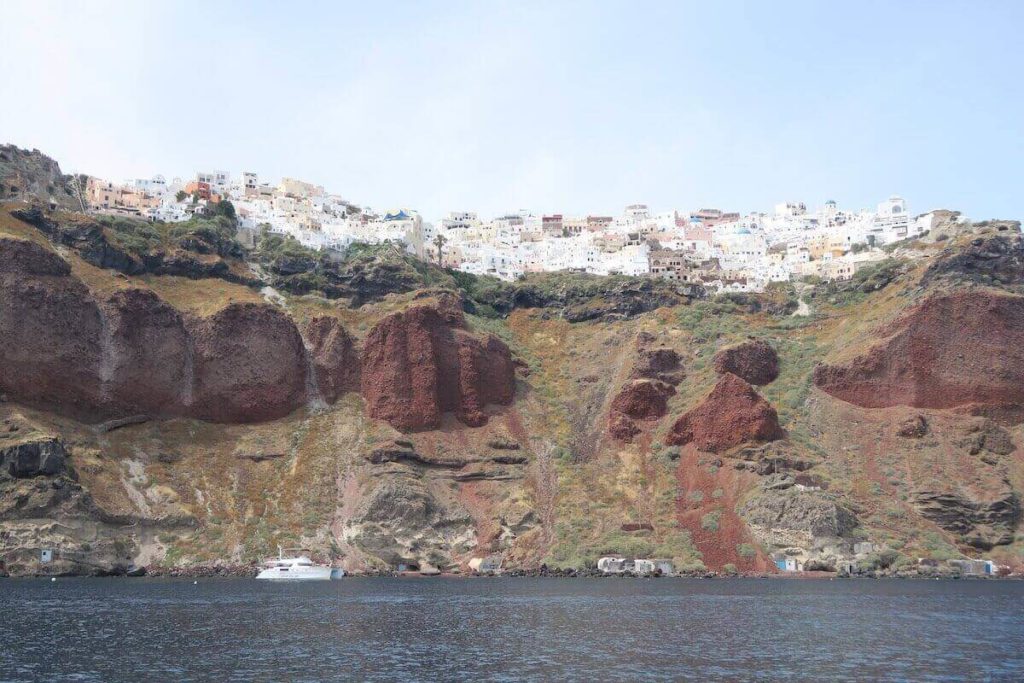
(296, 568)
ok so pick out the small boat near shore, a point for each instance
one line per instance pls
(297, 568)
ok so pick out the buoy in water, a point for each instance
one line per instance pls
(52, 579)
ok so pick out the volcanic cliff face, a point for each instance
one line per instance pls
(135, 353)
(50, 330)
(169, 421)
(335, 359)
(249, 365)
(31, 175)
(731, 415)
(422, 362)
(147, 356)
(951, 350)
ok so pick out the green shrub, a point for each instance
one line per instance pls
(746, 550)
(709, 522)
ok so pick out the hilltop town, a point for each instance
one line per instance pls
(720, 250)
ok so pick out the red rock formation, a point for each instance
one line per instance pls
(643, 399)
(249, 364)
(654, 374)
(133, 353)
(334, 357)
(622, 428)
(951, 350)
(753, 361)
(732, 414)
(50, 331)
(147, 364)
(420, 363)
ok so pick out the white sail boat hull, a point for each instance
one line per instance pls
(295, 573)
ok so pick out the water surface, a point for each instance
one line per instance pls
(504, 629)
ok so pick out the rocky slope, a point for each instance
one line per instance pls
(950, 350)
(179, 421)
(30, 175)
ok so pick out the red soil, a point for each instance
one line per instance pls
(716, 529)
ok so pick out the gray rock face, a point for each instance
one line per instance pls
(987, 438)
(34, 459)
(661, 363)
(404, 522)
(995, 259)
(982, 524)
(801, 511)
(30, 175)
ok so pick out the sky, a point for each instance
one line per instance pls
(571, 107)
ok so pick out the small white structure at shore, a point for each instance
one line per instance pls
(612, 565)
(486, 565)
(621, 565)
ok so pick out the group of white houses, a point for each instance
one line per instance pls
(623, 565)
(723, 251)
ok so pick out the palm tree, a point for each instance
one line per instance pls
(439, 242)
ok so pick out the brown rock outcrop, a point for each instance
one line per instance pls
(421, 363)
(654, 374)
(643, 399)
(622, 428)
(913, 427)
(640, 400)
(661, 364)
(334, 357)
(249, 365)
(951, 350)
(732, 414)
(753, 361)
(146, 366)
(50, 331)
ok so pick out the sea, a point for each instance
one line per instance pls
(511, 629)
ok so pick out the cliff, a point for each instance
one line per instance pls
(179, 419)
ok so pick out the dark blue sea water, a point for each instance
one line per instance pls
(370, 629)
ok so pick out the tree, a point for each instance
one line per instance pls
(226, 209)
(439, 242)
(181, 195)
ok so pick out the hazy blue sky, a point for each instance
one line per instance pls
(573, 107)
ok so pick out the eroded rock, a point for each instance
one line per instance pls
(334, 357)
(41, 458)
(731, 415)
(982, 523)
(421, 363)
(754, 361)
(250, 365)
(643, 399)
(952, 350)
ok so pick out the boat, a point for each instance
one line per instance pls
(294, 568)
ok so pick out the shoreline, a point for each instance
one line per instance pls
(247, 572)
